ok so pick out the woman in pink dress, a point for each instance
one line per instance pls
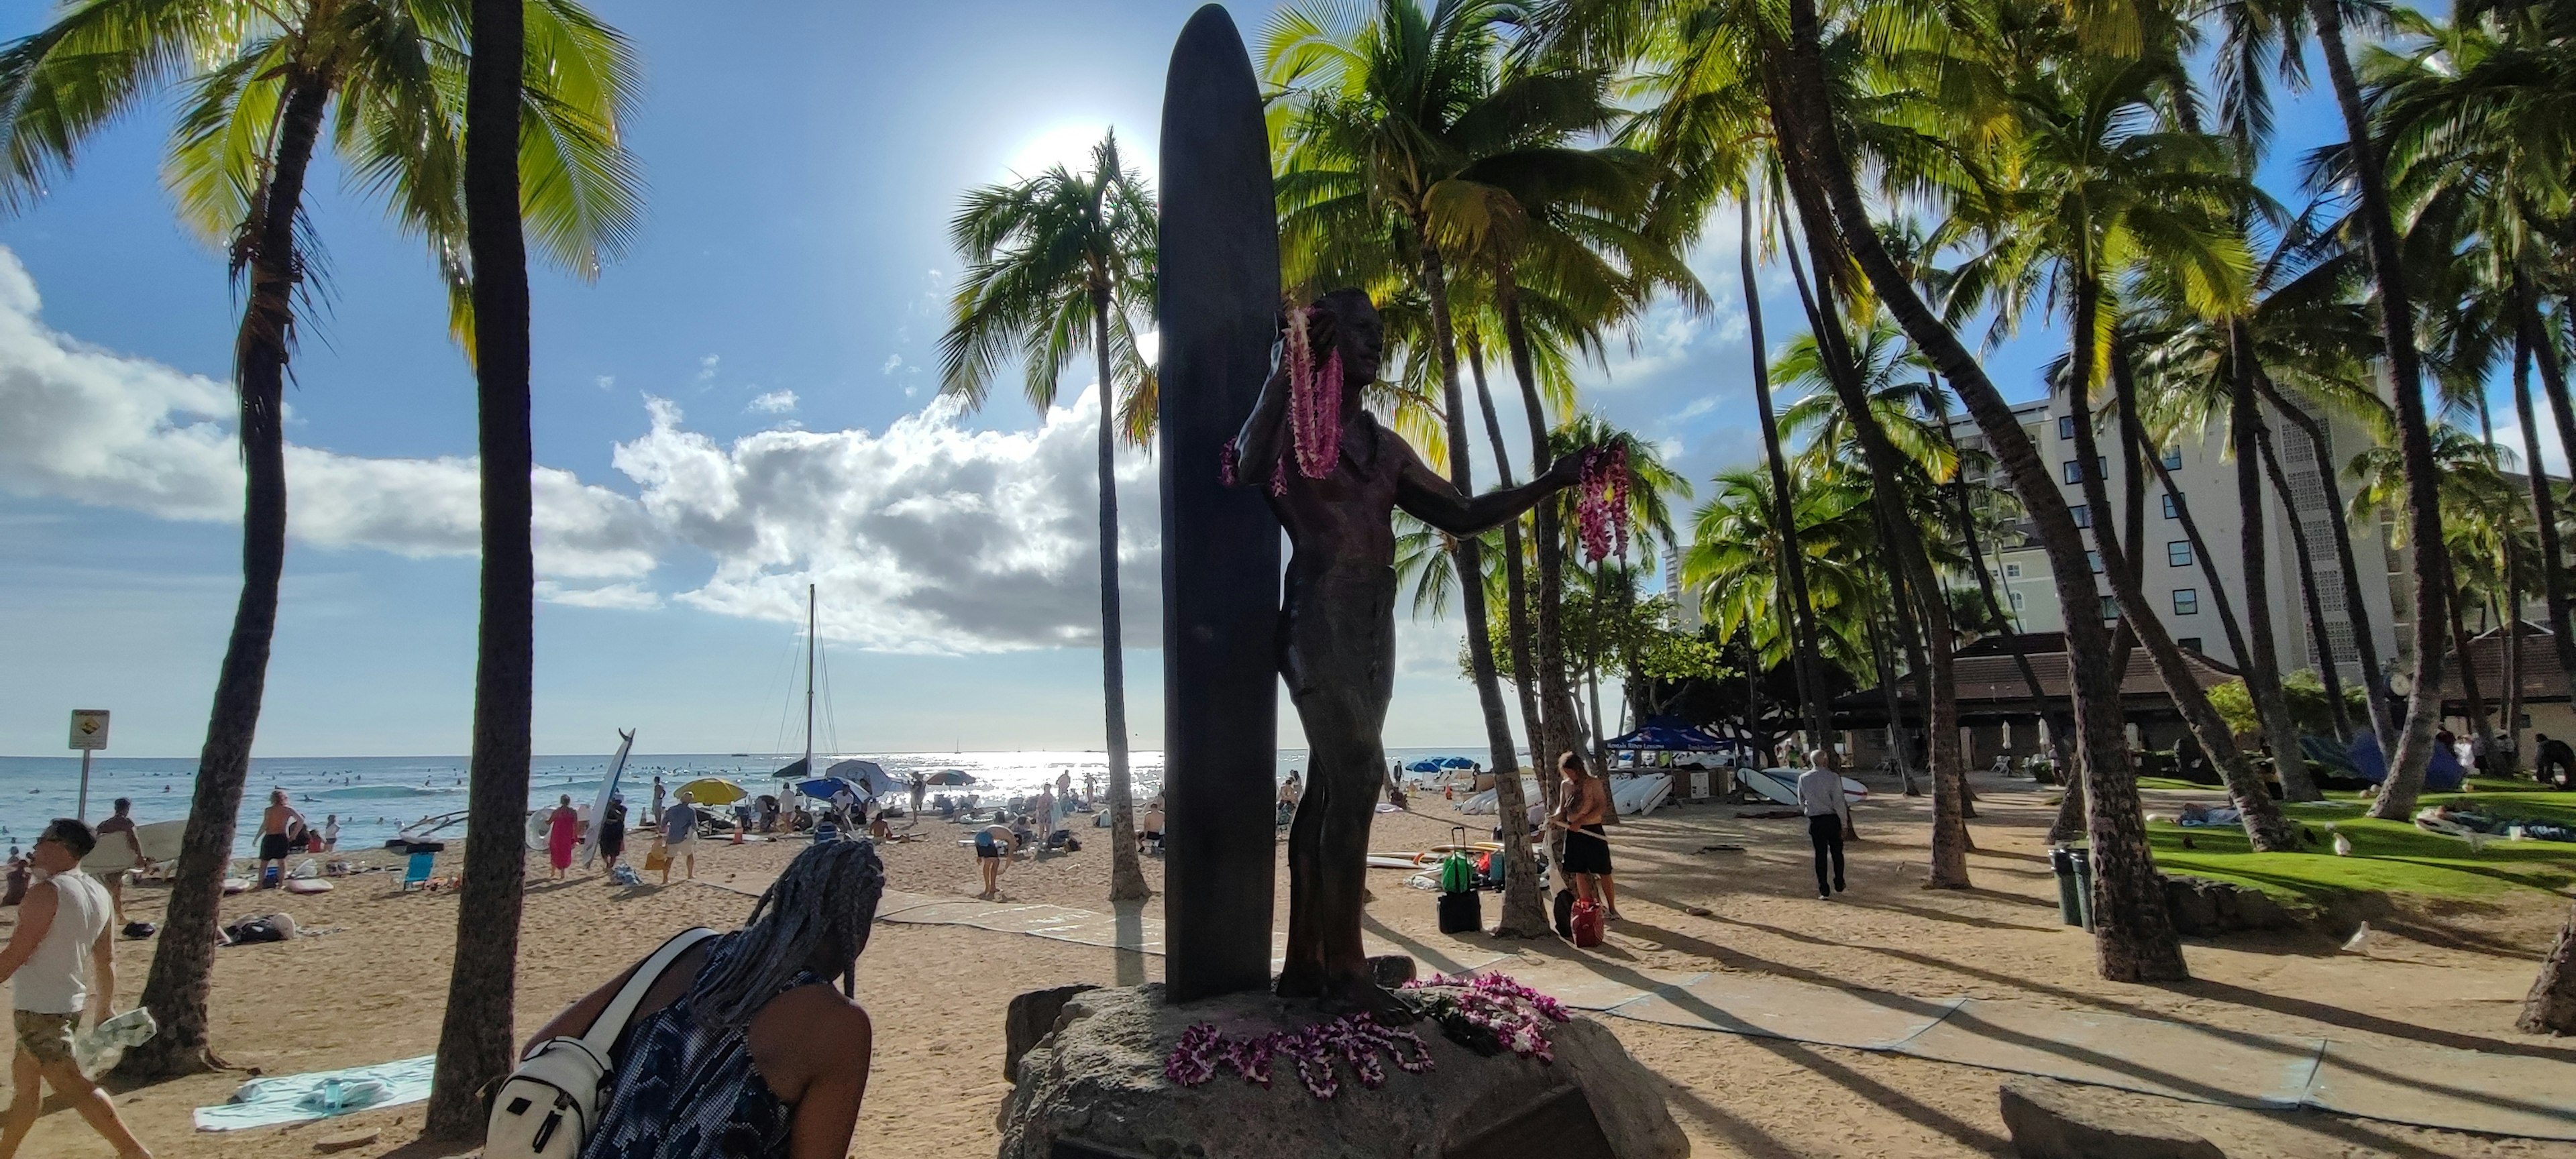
(563, 831)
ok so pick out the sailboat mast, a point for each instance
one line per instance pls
(809, 677)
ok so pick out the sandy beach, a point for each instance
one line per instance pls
(370, 989)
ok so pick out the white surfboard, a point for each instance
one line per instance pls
(589, 846)
(159, 841)
(1780, 786)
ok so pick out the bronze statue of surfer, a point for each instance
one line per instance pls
(1336, 638)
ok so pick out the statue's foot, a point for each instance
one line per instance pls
(1365, 996)
(1300, 980)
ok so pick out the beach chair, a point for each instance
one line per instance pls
(416, 874)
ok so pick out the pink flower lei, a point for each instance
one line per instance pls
(1354, 1039)
(1314, 409)
(1601, 502)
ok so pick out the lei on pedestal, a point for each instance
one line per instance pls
(1314, 410)
(1487, 1013)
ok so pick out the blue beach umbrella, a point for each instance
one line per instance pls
(1425, 765)
(826, 788)
(1457, 763)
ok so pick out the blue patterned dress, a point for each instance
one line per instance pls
(686, 1092)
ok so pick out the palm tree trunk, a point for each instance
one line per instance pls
(2469, 687)
(1891, 699)
(1908, 558)
(2265, 829)
(2365, 643)
(2134, 937)
(1524, 916)
(1556, 694)
(2335, 712)
(183, 963)
(1515, 585)
(2262, 666)
(1793, 566)
(2414, 433)
(1126, 877)
(2070, 819)
(2528, 341)
(1592, 659)
(475, 1037)
(2505, 761)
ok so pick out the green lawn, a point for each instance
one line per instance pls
(2388, 856)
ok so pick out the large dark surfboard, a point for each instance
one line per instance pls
(1219, 302)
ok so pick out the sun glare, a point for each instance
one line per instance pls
(1067, 144)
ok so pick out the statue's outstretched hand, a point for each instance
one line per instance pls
(1568, 468)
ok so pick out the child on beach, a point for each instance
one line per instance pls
(741, 1048)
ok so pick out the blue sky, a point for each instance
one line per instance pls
(741, 405)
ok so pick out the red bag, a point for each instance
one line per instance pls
(1588, 924)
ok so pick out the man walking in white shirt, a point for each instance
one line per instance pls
(1820, 797)
(63, 939)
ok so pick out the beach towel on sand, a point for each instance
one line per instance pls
(265, 1102)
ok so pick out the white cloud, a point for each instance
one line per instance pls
(2553, 455)
(774, 402)
(604, 381)
(892, 362)
(97, 427)
(927, 537)
(707, 368)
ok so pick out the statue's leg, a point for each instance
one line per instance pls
(1302, 974)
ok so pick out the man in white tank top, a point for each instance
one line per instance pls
(63, 942)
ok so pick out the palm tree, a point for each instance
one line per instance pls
(2256, 30)
(2135, 938)
(1056, 262)
(262, 83)
(1387, 122)
(475, 1037)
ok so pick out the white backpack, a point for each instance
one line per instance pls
(547, 1107)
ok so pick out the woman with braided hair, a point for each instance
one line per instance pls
(742, 1050)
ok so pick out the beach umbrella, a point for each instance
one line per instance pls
(1425, 765)
(827, 788)
(951, 777)
(869, 776)
(1457, 763)
(713, 791)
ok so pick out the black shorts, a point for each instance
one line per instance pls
(985, 846)
(1586, 851)
(272, 846)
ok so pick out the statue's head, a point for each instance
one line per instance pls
(1359, 334)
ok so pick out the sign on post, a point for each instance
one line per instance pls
(89, 735)
(89, 729)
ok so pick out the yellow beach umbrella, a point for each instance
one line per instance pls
(712, 791)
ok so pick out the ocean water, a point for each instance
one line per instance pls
(374, 797)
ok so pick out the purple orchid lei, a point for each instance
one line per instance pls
(1485, 1011)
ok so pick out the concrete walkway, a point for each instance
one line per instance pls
(2426, 1086)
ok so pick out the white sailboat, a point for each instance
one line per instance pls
(804, 766)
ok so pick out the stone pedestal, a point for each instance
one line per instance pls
(1095, 1087)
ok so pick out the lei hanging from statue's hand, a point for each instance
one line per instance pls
(1314, 408)
(1601, 502)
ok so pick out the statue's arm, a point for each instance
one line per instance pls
(1429, 497)
(1256, 446)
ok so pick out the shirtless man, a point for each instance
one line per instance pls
(1585, 803)
(278, 825)
(992, 843)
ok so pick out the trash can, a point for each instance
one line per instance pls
(2084, 884)
(2070, 906)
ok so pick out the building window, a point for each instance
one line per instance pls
(2066, 427)
(2012, 571)
(2083, 513)
(2110, 607)
(2178, 553)
(2093, 559)
(2186, 601)
(2173, 458)
(2172, 511)
(2072, 470)
(2016, 601)
(2188, 643)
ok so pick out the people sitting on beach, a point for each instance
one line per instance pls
(279, 824)
(742, 1047)
(991, 843)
